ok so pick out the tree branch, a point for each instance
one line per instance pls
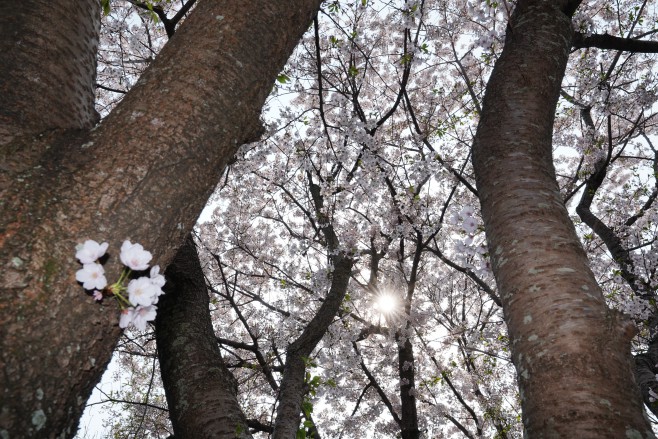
(610, 42)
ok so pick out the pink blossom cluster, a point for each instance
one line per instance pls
(143, 292)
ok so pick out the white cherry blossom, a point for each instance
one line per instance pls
(90, 251)
(143, 291)
(134, 256)
(142, 315)
(126, 317)
(92, 276)
(137, 317)
(156, 278)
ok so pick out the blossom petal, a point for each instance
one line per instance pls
(126, 317)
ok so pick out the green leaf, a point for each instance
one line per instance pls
(106, 6)
(315, 382)
(307, 408)
(283, 78)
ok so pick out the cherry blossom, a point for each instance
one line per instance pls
(90, 251)
(142, 315)
(156, 278)
(467, 212)
(138, 317)
(126, 318)
(143, 291)
(92, 276)
(469, 225)
(134, 256)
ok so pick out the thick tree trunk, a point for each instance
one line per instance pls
(201, 392)
(571, 353)
(144, 174)
(39, 91)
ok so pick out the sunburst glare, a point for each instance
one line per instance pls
(386, 304)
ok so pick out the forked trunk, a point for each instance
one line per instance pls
(144, 174)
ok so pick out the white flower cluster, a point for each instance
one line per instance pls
(143, 292)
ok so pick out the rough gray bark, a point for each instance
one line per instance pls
(571, 353)
(645, 374)
(201, 392)
(144, 174)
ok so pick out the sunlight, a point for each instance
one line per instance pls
(386, 303)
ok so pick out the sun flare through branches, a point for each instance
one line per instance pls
(387, 305)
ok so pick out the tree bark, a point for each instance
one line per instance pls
(409, 414)
(571, 353)
(406, 362)
(144, 174)
(645, 374)
(39, 91)
(201, 392)
(293, 388)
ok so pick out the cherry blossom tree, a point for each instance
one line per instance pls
(143, 174)
(351, 284)
(355, 64)
(345, 98)
(255, 341)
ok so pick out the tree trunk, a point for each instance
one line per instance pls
(645, 374)
(409, 414)
(293, 388)
(39, 91)
(144, 174)
(201, 392)
(571, 353)
(406, 363)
